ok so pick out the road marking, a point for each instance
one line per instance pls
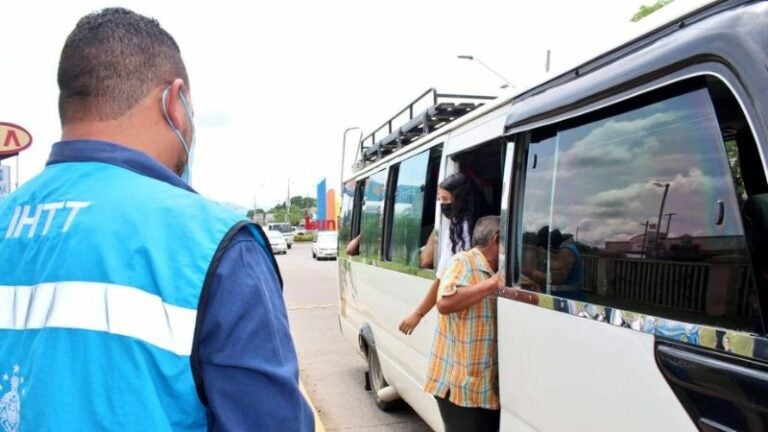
(319, 427)
(315, 306)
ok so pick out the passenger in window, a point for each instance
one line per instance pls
(564, 265)
(463, 364)
(353, 247)
(462, 203)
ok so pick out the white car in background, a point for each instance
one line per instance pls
(285, 229)
(326, 245)
(277, 241)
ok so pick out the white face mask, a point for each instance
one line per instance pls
(189, 149)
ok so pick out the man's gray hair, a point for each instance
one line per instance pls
(485, 228)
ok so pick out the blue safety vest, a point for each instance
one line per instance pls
(101, 275)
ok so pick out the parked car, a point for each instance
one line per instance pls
(326, 245)
(277, 241)
(285, 229)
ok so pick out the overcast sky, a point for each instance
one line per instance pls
(275, 84)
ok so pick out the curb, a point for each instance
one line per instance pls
(319, 427)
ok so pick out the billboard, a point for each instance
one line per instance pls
(13, 139)
(327, 212)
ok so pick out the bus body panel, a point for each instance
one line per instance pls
(380, 298)
(565, 373)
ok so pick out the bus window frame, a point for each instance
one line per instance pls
(357, 207)
(389, 209)
(520, 133)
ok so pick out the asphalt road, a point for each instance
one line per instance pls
(331, 370)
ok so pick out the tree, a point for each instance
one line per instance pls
(647, 10)
(303, 202)
(299, 207)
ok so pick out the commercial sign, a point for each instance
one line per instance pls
(13, 139)
(326, 210)
(5, 181)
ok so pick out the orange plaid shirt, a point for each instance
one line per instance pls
(463, 358)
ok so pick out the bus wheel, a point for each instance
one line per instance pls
(387, 399)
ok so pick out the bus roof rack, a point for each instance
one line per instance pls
(442, 109)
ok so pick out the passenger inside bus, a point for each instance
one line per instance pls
(353, 247)
(462, 203)
(564, 261)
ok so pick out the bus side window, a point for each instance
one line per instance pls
(635, 207)
(372, 215)
(414, 199)
(351, 208)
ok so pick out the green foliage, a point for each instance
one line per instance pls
(303, 202)
(647, 10)
(406, 236)
(300, 207)
(370, 232)
(298, 238)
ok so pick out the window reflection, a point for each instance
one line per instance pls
(647, 201)
(408, 211)
(372, 214)
(347, 205)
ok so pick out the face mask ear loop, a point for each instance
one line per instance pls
(164, 98)
(189, 115)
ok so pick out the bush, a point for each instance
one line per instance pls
(308, 237)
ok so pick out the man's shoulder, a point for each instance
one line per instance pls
(467, 257)
(461, 262)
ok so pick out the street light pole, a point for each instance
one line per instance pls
(506, 81)
(645, 239)
(344, 151)
(288, 203)
(661, 211)
(669, 221)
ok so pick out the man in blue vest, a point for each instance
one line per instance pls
(127, 301)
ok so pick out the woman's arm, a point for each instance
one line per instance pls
(427, 303)
(427, 256)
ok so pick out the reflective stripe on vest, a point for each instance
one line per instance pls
(99, 307)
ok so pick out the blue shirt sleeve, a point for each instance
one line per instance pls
(247, 359)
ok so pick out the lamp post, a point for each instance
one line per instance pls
(661, 211)
(669, 221)
(344, 150)
(471, 58)
(645, 239)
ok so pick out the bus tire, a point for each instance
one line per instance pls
(377, 382)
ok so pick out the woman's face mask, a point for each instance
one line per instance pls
(445, 199)
(447, 210)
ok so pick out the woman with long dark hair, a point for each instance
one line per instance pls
(462, 204)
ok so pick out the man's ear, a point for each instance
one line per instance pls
(175, 106)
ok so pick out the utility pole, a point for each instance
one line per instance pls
(645, 239)
(661, 211)
(669, 221)
(288, 202)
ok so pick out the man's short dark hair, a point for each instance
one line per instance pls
(485, 228)
(111, 61)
